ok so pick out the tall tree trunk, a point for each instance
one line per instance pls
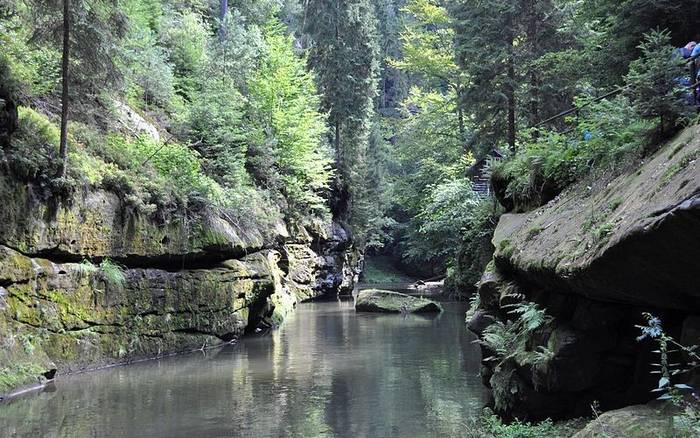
(510, 93)
(338, 155)
(223, 10)
(460, 119)
(533, 39)
(63, 148)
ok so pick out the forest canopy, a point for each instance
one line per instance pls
(374, 112)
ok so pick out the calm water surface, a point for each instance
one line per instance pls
(326, 372)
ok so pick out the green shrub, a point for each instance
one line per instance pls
(509, 340)
(474, 250)
(488, 425)
(676, 363)
(33, 154)
(609, 134)
(36, 68)
(652, 83)
(436, 232)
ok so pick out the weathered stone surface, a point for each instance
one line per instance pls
(70, 315)
(340, 263)
(374, 300)
(96, 224)
(594, 260)
(640, 421)
(636, 237)
(480, 321)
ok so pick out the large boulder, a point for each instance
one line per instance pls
(639, 421)
(375, 300)
(634, 241)
(595, 258)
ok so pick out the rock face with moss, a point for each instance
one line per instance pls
(592, 259)
(384, 301)
(87, 282)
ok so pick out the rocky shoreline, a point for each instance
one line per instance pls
(593, 260)
(182, 283)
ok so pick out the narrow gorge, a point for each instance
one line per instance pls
(349, 218)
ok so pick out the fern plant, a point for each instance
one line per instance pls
(508, 340)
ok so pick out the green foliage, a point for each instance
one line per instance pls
(676, 361)
(150, 78)
(381, 270)
(609, 134)
(449, 209)
(185, 35)
(427, 43)
(16, 374)
(652, 83)
(87, 268)
(286, 147)
(509, 340)
(344, 55)
(34, 67)
(488, 425)
(475, 249)
(113, 273)
(33, 154)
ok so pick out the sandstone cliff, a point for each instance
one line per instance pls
(594, 259)
(187, 281)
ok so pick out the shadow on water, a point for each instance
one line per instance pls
(326, 372)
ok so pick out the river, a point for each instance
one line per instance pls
(327, 372)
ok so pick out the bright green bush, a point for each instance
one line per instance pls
(286, 146)
(35, 67)
(449, 208)
(33, 155)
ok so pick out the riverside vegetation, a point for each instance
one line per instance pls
(176, 173)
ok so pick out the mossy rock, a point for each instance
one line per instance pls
(640, 421)
(374, 300)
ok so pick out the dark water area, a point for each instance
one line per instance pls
(326, 372)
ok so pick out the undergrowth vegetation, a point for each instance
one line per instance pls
(198, 116)
(605, 136)
(488, 425)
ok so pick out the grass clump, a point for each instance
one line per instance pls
(674, 169)
(86, 268)
(112, 272)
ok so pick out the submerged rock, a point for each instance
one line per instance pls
(374, 300)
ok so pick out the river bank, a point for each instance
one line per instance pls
(326, 372)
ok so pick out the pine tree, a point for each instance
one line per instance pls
(343, 52)
(498, 45)
(87, 33)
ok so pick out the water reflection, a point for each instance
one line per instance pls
(327, 372)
